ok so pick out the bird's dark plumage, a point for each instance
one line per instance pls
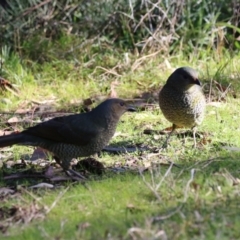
(73, 136)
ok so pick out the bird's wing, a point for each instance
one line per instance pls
(73, 129)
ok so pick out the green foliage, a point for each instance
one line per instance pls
(72, 50)
(166, 26)
(198, 200)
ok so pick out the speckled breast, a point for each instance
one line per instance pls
(184, 109)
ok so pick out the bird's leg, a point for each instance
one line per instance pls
(194, 136)
(67, 170)
(165, 144)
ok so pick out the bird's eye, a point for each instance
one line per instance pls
(121, 104)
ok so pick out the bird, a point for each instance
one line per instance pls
(77, 135)
(182, 100)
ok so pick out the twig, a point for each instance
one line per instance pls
(188, 185)
(164, 217)
(57, 199)
(154, 188)
(140, 60)
(150, 186)
(165, 175)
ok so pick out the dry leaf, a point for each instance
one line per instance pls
(39, 153)
(6, 191)
(13, 120)
(5, 85)
(42, 185)
(113, 93)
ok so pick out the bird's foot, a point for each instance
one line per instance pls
(164, 146)
(72, 173)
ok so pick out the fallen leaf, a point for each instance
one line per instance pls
(49, 172)
(215, 104)
(6, 191)
(91, 165)
(84, 225)
(3, 133)
(13, 120)
(42, 185)
(5, 85)
(233, 149)
(113, 93)
(20, 215)
(39, 153)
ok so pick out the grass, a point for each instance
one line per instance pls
(69, 82)
(199, 200)
(64, 56)
(123, 207)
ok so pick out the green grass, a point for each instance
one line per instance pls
(124, 206)
(113, 207)
(68, 82)
(199, 200)
(65, 57)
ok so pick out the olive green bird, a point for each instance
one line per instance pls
(182, 100)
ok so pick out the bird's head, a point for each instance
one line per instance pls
(183, 79)
(113, 108)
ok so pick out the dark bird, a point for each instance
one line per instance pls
(77, 135)
(182, 100)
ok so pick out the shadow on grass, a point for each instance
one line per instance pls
(122, 205)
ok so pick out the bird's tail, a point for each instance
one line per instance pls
(11, 139)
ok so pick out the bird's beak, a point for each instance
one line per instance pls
(198, 82)
(131, 109)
